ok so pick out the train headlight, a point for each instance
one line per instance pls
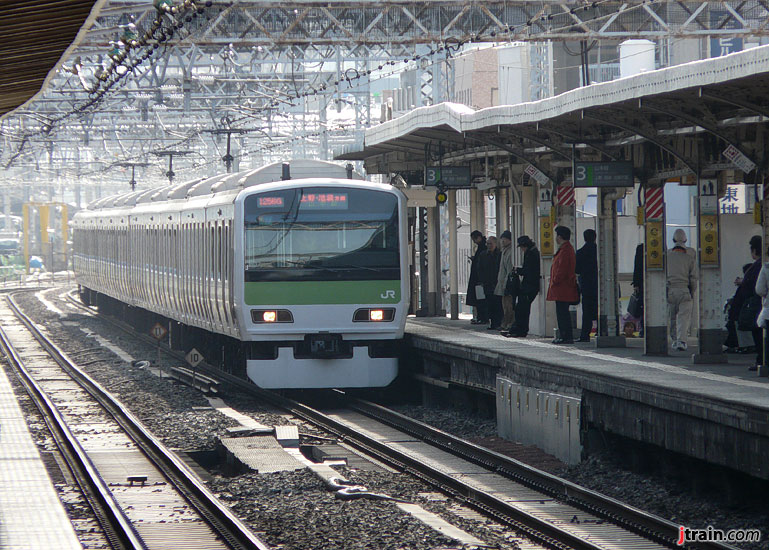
(260, 316)
(365, 315)
(376, 315)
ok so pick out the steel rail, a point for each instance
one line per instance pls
(219, 517)
(539, 530)
(645, 524)
(633, 519)
(117, 527)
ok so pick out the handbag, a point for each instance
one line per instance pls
(635, 306)
(513, 285)
(749, 312)
(579, 294)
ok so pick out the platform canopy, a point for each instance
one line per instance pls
(35, 35)
(682, 119)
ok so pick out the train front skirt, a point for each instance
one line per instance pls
(287, 372)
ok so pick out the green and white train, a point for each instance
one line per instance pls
(293, 275)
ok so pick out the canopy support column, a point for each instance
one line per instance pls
(608, 289)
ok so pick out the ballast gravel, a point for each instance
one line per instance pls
(294, 509)
(290, 510)
(666, 497)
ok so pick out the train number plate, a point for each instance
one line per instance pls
(324, 344)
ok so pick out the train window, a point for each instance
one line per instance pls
(321, 234)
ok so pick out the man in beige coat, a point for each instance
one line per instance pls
(682, 278)
(505, 268)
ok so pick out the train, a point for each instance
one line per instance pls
(293, 275)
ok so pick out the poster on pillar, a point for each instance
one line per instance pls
(655, 240)
(708, 196)
(709, 240)
(546, 236)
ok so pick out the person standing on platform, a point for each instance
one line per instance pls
(762, 290)
(587, 272)
(472, 297)
(563, 284)
(638, 282)
(488, 269)
(682, 281)
(746, 301)
(530, 276)
(505, 269)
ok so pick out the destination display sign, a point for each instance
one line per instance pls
(448, 176)
(324, 201)
(603, 174)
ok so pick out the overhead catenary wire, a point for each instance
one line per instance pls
(446, 50)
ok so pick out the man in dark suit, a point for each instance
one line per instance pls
(587, 272)
(530, 273)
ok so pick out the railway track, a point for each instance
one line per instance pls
(551, 511)
(144, 496)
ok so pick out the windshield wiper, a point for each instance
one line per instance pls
(344, 266)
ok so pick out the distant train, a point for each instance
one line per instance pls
(293, 275)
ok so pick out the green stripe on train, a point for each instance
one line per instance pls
(292, 293)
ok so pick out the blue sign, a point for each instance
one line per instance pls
(724, 45)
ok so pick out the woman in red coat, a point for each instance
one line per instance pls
(563, 284)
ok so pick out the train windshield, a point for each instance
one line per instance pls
(321, 233)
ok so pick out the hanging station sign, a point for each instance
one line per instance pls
(603, 174)
(448, 176)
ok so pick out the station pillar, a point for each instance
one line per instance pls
(566, 208)
(565, 205)
(655, 305)
(546, 241)
(477, 211)
(608, 288)
(709, 255)
(453, 268)
(433, 259)
(502, 209)
(424, 272)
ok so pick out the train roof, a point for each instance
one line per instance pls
(200, 187)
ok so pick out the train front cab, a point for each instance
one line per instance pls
(324, 298)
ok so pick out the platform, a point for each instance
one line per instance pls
(26, 490)
(718, 412)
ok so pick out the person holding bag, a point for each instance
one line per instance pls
(563, 284)
(472, 297)
(505, 268)
(529, 288)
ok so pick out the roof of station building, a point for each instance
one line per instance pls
(730, 86)
(35, 36)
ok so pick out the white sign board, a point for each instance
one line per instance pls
(536, 174)
(738, 159)
(486, 184)
(420, 197)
